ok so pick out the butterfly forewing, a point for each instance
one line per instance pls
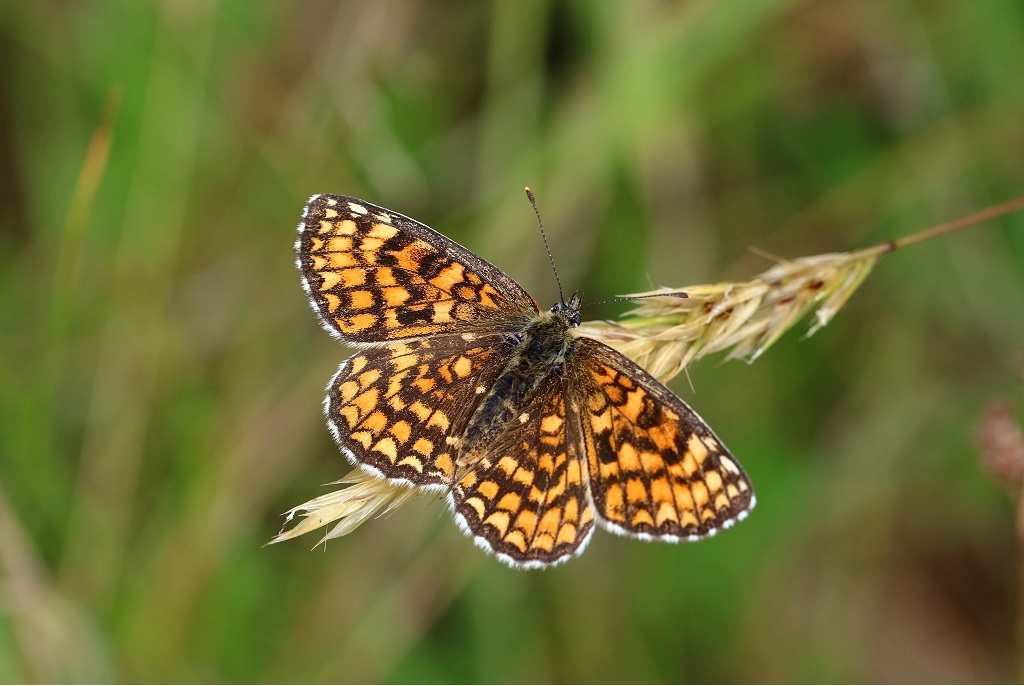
(375, 275)
(656, 468)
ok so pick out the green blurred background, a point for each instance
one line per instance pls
(161, 373)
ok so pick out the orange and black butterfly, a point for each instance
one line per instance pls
(462, 385)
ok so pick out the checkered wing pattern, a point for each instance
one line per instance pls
(462, 385)
(374, 275)
(399, 409)
(656, 469)
(526, 500)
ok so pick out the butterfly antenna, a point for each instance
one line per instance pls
(551, 259)
(674, 294)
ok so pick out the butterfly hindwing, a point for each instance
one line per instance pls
(526, 499)
(398, 409)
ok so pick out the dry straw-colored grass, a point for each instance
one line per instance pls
(669, 329)
(364, 496)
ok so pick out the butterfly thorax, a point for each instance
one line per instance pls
(538, 359)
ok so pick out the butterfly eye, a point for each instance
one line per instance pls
(570, 310)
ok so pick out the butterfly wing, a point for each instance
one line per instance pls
(526, 500)
(374, 275)
(656, 469)
(398, 409)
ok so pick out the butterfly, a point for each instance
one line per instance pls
(462, 385)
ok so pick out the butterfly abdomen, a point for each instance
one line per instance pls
(535, 362)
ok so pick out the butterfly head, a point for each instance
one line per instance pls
(570, 310)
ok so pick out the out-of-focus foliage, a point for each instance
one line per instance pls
(161, 374)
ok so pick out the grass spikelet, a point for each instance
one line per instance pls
(365, 496)
(664, 334)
